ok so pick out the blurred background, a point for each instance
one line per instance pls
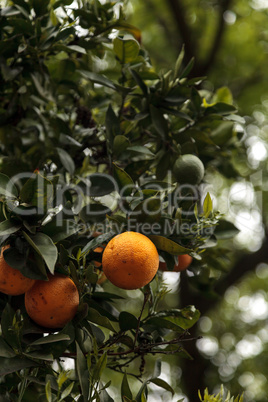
(229, 41)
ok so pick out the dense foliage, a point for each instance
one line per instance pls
(90, 132)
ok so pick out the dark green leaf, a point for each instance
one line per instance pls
(112, 125)
(163, 384)
(94, 213)
(95, 317)
(51, 338)
(225, 230)
(187, 69)
(139, 81)
(141, 150)
(125, 388)
(98, 79)
(7, 228)
(97, 241)
(7, 187)
(120, 144)
(5, 349)
(164, 244)
(66, 160)
(8, 366)
(124, 181)
(98, 184)
(82, 372)
(100, 366)
(159, 121)
(45, 247)
(59, 230)
(127, 321)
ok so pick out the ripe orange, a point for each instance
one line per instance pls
(52, 303)
(184, 262)
(130, 260)
(12, 282)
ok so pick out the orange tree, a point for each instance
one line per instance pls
(90, 133)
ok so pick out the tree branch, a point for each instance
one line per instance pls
(205, 67)
(183, 28)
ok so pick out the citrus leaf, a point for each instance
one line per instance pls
(127, 321)
(100, 366)
(123, 180)
(164, 244)
(7, 228)
(163, 384)
(59, 230)
(82, 372)
(45, 247)
(66, 160)
(7, 187)
(8, 366)
(126, 50)
(51, 338)
(95, 317)
(125, 389)
(5, 349)
(207, 206)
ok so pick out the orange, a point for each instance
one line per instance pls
(130, 260)
(184, 262)
(52, 303)
(12, 282)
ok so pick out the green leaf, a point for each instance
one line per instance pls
(98, 184)
(122, 25)
(184, 318)
(120, 144)
(51, 338)
(8, 366)
(59, 230)
(48, 392)
(141, 150)
(7, 326)
(45, 247)
(224, 95)
(98, 79)
(66, 160)
(112, 124)
(7, 187)
(207, 206)
(127, 321)
(124, 181)
(139, 81)
(100, 366)
(67, 391)
(125, 389)
(159, 121)
(164, 244)
(221, 109)
(95, 317)
(163, 384)
(82, 372)
(140, 397)
(225, 230)
(94, 213)
(7, 228)
(179, 63)
(187, 69)
(5, 349)
(97, 242)
(126, 50)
